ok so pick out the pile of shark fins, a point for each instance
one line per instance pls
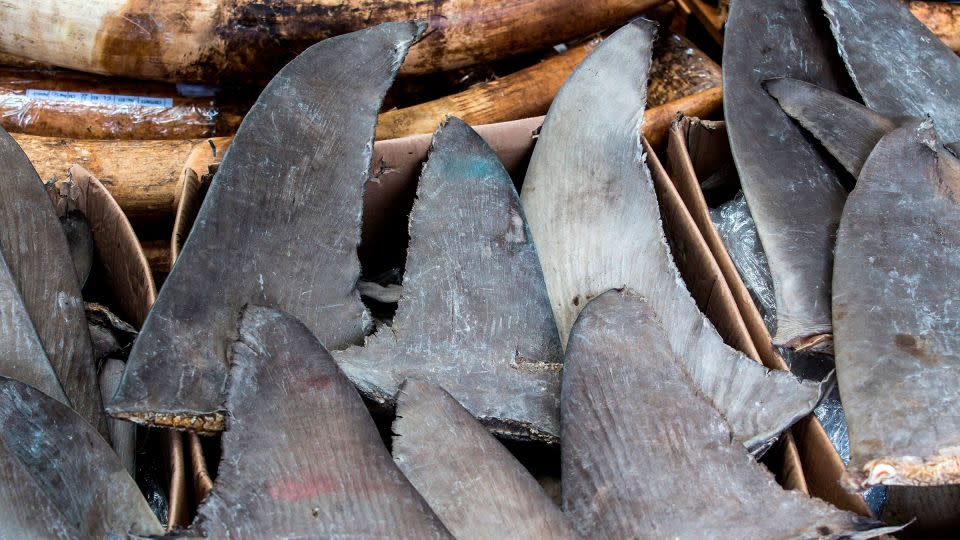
(886, 269)
(553, 315)
(459, 324)
(634, 467)
(59, 477)
(301, 256)
(594, 217)
(896, 342)
(474, 316)
(44, 326)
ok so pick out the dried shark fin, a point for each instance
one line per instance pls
(25, 510)
(279, 226)
(123, 434)
(474, 316)
(46, 280)
(847, 129)
(71, 464)
(899, 67)
(21, 353)
(896, 284)
(474, 484)
(646, 455)
(301, 454)
(795, 197)
(594, 215)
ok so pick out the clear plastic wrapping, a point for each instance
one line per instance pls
(736, 227)
(58, 103)
(739, 234)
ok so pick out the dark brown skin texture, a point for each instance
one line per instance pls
(280, 230)
(288, 474)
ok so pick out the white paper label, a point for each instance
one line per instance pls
(91, 98)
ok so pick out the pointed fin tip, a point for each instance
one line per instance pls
(777, 86)
(450, 124)
(785, 90)
(414, 29)
(407, 34)
(420, 27)
(412, 390)
(645, 25)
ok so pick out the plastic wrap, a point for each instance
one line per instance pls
(57, 103)
(739, 234)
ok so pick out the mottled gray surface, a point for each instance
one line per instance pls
(595, 219)
(794, 195)
(123, 434)
(474, 316)
(279, 226)
(897, 64)
(896, 313)
(25, 510)
(847, 129)
(645, 455)
(301, 454)
(35, 249)
(70, 464)
(21, 353)
(470, 480)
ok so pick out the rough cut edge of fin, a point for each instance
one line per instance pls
(940, 469)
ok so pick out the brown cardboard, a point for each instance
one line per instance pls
(696, 149)
(396, 166)
(125, 273)
(124, 266)
(709, 288)
(189, 197)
